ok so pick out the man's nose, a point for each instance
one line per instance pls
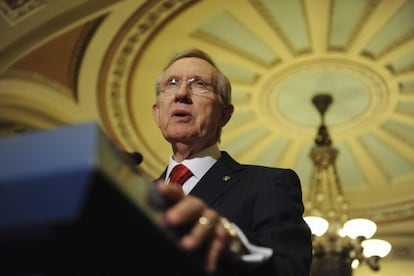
(184, 89)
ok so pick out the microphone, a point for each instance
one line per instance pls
(135, 157)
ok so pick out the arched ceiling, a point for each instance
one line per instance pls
(88, 61)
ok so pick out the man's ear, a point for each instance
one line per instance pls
(156, 114)
(227, 113)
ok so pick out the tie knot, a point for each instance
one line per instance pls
(180, 174)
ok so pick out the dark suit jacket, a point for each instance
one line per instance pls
(266, 203)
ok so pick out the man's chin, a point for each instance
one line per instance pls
(179, 138)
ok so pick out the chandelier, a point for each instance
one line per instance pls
(340, 244)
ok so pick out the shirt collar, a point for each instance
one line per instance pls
(198, 163)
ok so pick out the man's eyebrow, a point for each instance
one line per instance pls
(168, 78)
(195, 76)
(192, 76)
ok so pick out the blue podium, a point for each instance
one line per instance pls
(72, 203)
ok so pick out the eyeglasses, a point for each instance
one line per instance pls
(196, 86)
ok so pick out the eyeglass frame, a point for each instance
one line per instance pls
(209, 87)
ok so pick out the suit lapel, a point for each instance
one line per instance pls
(222, 176)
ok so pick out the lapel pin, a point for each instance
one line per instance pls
(226, 177)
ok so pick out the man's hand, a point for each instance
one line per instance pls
(206, 228)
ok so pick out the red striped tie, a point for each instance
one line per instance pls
(180, 174)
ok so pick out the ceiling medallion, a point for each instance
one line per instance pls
(361, 95)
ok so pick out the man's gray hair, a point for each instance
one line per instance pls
(221, 83)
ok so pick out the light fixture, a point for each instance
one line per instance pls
(340, 244)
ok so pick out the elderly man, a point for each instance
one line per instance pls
(247, 218)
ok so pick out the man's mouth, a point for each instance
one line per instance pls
(181, 114)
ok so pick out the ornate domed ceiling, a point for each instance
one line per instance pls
(286, 52)
(278, 55)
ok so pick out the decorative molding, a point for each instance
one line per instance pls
(400, 211)
(39, 79)
(15, 11)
